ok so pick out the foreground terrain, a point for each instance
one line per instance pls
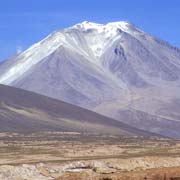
(25, 111)
(77, 156)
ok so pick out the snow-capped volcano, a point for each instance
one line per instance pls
(88, 39)
(114, 68)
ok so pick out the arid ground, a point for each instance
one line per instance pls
(75, 156)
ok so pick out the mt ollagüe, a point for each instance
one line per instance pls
(115, 69)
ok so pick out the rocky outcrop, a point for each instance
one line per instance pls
(100, 168)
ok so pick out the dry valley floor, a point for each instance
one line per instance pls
(78, 156)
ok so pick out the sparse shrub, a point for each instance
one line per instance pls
(95, 169)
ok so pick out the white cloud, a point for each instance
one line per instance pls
(19, 49)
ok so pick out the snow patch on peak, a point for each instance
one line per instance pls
(123, 25)
(86, 25)
(100, 36)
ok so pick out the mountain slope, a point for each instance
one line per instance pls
(111, 69)
(25, 111)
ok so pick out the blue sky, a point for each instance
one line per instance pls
(24, 22)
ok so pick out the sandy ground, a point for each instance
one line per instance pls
(74, 156)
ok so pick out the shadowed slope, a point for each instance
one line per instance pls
(25, 111)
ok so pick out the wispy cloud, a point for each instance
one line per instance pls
(19, 49)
